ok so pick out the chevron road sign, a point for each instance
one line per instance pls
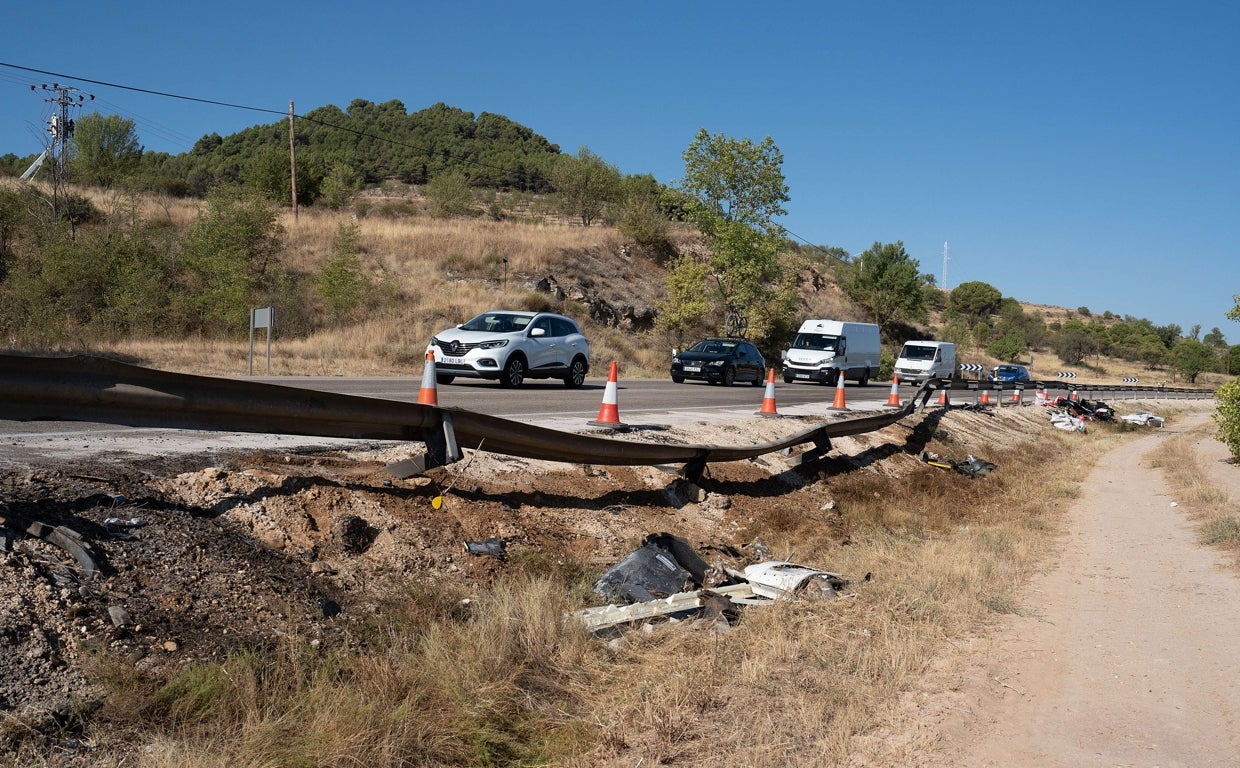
(970, 367)
(1131, 380)
(1066, 375)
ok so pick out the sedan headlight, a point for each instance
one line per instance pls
(493, 344)
(717, 363)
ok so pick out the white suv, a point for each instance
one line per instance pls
(511, 346)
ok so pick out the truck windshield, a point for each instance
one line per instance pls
(815, 341)
(917, 352)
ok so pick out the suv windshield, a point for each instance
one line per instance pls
(497, 322)
(816, 341)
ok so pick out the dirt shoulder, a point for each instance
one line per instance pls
(1123, 652)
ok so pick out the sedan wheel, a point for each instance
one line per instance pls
(678, 379)
(514, 372)
(729, 376)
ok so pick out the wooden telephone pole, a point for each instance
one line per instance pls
(292, 159)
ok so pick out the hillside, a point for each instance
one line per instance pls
(425, 272)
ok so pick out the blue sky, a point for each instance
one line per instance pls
(1069, 153)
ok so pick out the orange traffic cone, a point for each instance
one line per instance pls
(983, 395)
(943, 398)
(768, 399)
(893, 400)
(428, 395)
(1072, 396)
(838, 405)
(609, 412)
(1018, 395)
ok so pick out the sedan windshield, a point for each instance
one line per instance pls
(714, 347)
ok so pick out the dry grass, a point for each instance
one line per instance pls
(1216, 514)
(504, 681)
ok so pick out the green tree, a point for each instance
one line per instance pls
(340, 185)
(687, 302)
(1008, 347)
(584, 185)
(974, 299)
(342, 284)
(1227, 416)
(886, 281)
(735, 180)
(732, 190)
(107, 149)
(228, 260)
(1074, 343)
(1190, 357)
(449, 195)
(1234, 312)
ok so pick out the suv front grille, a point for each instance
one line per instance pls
(453, 348)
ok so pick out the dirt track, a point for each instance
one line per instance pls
(1124, 652)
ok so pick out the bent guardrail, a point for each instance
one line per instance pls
(94, 389)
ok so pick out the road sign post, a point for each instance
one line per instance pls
(261, 318)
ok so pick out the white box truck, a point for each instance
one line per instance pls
(824, 350)
(920, 361)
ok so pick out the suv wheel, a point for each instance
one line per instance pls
(514, 372)
(576, 374)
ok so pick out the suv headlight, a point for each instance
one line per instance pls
(493, 344)
(717, 363)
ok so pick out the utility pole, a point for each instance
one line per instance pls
(60, 126)
(945, 286)
(292, 159)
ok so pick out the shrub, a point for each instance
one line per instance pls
(1227, 415)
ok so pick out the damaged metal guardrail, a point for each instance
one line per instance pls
(1111, 391)
(85, 388)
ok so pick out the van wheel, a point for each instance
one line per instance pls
(865, 379)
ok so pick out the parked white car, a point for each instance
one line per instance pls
(510, 346)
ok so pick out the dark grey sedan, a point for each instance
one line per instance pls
(720, 361)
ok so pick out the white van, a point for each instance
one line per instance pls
(823, 350)
(920, 361)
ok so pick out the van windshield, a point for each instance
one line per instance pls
(917, 352)
(819, 342)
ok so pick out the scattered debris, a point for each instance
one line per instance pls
(662, 566)
(1144, 419)
(1067, 422)
(666, 578)
(970, 467)
(495, 547)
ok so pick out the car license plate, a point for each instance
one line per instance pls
(693, 369)
(803, 376)
(452, 360)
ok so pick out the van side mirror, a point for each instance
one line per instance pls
(783, 354)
